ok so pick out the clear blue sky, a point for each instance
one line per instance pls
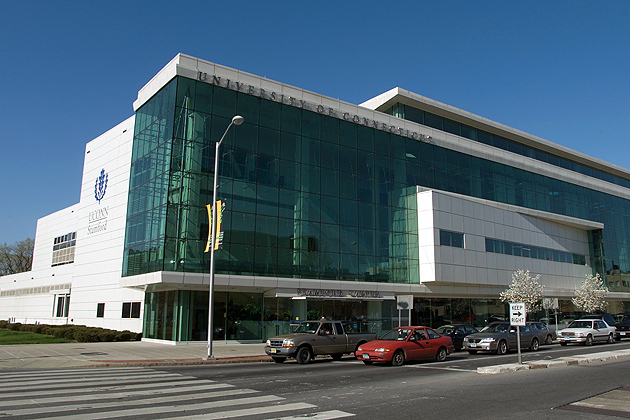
(71, 70)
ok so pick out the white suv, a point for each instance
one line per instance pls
(587, 331)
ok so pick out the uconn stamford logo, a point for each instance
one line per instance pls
(100, 186)
(97, 219)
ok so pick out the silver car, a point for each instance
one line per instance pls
(586, 332)
(545, 334)
(500, 337)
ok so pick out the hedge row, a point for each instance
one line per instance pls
(79, 333)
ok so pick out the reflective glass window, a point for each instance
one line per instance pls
(433, 120)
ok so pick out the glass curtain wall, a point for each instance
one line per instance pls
(182, 315)
(450, 126)
(306, 196)
(149, 184)
(311, 196)
(435, 312)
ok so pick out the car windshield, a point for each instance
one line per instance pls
(581, 324)
(397, 334)
(307, 328)
(445, 329)
(496, 328)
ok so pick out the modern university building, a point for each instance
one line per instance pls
(330, 209)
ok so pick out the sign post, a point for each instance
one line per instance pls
(517, 318)
(404, 302)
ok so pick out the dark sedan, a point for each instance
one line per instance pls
(623, 328)
(457, 332)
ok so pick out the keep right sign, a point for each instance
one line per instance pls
(517, 314)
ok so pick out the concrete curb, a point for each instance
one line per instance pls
(560, 362)
(511, 367)
(86, 364)
(181, 362)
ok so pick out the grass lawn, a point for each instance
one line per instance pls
(23, 337)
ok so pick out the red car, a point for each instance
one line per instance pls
(406, 343)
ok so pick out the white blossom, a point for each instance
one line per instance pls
(590, 296)
(524, 289)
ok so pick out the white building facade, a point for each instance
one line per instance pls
(331, 209)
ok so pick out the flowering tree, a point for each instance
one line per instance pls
(590, 296)
(524, 289)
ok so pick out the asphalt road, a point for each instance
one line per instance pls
(327, 389)
(451, 389)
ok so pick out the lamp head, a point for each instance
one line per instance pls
(237, 120)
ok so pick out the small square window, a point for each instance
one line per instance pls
(135, 309)
(100, 310)
(126, 310)
(453, 239)
(131, 309)
(457, 240)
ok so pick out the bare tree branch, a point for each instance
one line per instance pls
(16, 258)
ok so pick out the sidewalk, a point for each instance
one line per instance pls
(144, 353)
(132, 353)
(559, 362)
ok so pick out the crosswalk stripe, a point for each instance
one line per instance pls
(13, 384)
(210, 392)
(73, 384)
(244, 412)
(127, 392)
(114, 387)
(152, 409)
(324, 415)
(138, 404)
(72, 372)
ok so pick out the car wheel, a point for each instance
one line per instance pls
(399, 358)
(472, 351)
(441, 355)
(534, 346)
(337, 356)
(611, 339)
(589, 340)
(279, 359)
(549, 339)
(304, 355)
(368, 362)
(502, 347)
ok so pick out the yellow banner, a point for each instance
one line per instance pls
(219, 240)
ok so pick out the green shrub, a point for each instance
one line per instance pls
(64, 331)
(86, 335)
(39, 329)
(47, 330)
(125, 336)
(79, 333)
(29, 328)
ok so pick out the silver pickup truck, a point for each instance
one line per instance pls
(312, 338)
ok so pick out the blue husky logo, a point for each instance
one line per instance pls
(101, 186)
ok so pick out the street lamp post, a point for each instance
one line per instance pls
(237, 120)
